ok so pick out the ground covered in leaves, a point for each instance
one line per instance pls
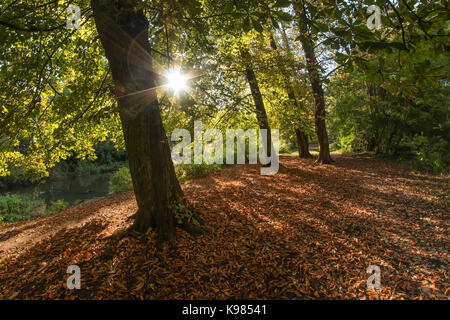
(309, 232)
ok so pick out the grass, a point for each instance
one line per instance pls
(121, 180)
(19, 207)
(186, 172)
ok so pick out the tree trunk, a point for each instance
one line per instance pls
(302, 138)
(372, 94)
(123, 30)
(316, 85)
(261, 114)
(302, 144)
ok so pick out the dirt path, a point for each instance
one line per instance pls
(309, 232)
(14, 238)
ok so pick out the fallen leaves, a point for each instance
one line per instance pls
(309, 232)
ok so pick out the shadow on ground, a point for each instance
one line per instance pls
(309, 232)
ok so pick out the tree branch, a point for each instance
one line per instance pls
(30, 29)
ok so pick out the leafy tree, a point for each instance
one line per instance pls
(300, 130)
(315, 80)
(64, 90)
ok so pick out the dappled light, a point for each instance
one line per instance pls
(266, 247)
(246, 152)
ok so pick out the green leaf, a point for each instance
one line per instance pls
(246, 24)
(381, 45)
(282, 4)
(275, 23)
(284, 16)
(300, 38)
(258, 27)
(321, 27)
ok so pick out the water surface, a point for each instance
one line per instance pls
(69, 189)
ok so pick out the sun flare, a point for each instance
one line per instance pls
(176, 81)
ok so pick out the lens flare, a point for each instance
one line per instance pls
(176, 80)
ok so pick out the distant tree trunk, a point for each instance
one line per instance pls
(123, 30)
(316, 85)
(372, 94)
(302, 138)
(261, 114)
(302, 144)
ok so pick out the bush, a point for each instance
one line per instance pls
(411, 127)
(82, 168)
(120, 181)
(20, 207)
(56, 206)
(430, 154)
(287, 147)
(15, 178)
(191, 171)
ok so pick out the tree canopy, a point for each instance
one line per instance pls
(317, 70)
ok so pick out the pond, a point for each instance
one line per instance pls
(70, 189)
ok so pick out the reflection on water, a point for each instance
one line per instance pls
(70, 189)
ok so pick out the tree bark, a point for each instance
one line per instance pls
(261, 114)
(372, 94)
(123, 31)
(316, 85)
(302, 138)
(302, 144)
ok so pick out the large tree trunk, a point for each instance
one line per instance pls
(123, 30)
(261, 114)
(316, 85)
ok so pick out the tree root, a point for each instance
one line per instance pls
(199, 220)
(192, 229)
(133, 216)
(135, 232)
(320, 162)
(128, 233)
